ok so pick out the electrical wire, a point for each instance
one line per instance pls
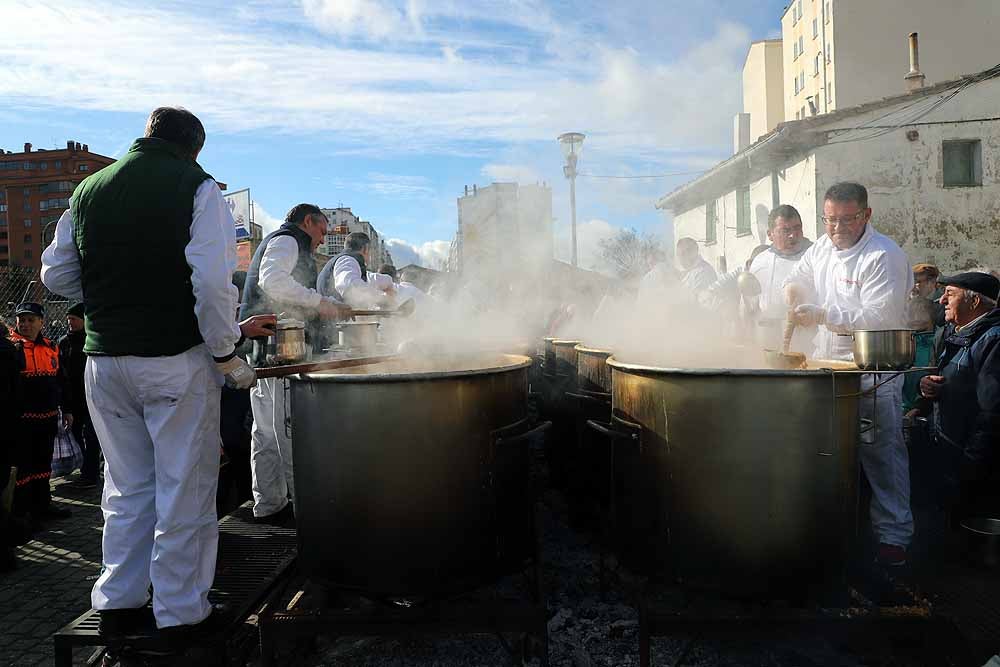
(676, 173)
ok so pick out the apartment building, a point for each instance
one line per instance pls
(35, 187)
(343, 222)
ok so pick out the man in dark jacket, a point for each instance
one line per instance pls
(73, 361)
(966, 393)
(43, 389)
(10, 417)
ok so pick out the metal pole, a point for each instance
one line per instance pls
(572, 206)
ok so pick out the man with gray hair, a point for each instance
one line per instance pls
(347, 275)
(966, 393)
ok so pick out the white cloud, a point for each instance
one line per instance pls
(547, 77)
(430, 254)
(369, 17)
(268, 222)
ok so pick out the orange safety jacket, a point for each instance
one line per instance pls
(41, 379)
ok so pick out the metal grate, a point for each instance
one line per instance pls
(251, 558)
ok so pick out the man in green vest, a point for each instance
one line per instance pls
(157, 360)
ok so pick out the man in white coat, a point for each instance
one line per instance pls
(156, 362)
(282, 279)
(696, 274)
(853, 279)
(771, 268)
(347, 275)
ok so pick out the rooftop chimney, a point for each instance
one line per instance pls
(86, 148)
(914, 78)
(27, 147)
(78, 146)
(69, 145)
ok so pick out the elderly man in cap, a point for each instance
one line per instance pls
(966, 392)
(42, 391)
(73, 361)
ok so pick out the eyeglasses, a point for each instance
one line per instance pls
(846, 220)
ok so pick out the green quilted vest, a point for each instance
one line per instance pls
(132, 222)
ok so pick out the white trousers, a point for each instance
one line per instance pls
(270, 447)
(158, 422)
(886, 462)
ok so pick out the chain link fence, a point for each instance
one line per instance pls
(20, 283)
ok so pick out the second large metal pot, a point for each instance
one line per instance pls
(884, 350)
(743, 480)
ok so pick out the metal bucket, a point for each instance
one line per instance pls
(358, 335)
(406, 482)
(748, 478)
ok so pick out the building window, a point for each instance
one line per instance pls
(27, 253)
(796, 81)
(743, 226)
(816, 65)
(801, 49)
(3, 207)
(43, 165)
(57, 164)
(27, 238)
(711, 222)
(963, 163)
(827, 12)
(84, 167)
(815, 28)
(29, 165)
(802, 80)
(27, 222)
(803, 112)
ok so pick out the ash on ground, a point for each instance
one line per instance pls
(586, 629)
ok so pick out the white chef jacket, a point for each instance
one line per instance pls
(771, 269)
(863, 287)
(406, 291)
(275, 276)
(211, 254)
(699, 277)
(356, 292)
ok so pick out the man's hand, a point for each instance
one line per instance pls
(930, 386)
(794, 295)
(68, 420)
(239, 374)
(333, 310)
(259, 326)
(809, 314)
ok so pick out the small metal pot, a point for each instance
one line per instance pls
(358, 335)
(884, 350)
(289, 346)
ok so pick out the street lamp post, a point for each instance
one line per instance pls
(572, 145)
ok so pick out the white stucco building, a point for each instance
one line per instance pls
(930, 161)
(842, 53)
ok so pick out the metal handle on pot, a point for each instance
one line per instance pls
(541, 428)
(866, 425)
(588, 399)
(608, 431)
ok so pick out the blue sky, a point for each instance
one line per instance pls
(392, 106)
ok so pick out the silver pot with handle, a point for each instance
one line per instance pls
(358, 335)
(884, 350)
(288, 345)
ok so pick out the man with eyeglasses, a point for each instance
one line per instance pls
(855, 278)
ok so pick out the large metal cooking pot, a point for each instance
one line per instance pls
(592, 371)
(884, 350)
(406, 479)
(549, 352)
(358, 335)
(566, 358)
(743, 480)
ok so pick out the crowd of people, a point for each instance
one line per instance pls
(156, 401)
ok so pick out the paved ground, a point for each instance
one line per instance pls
(52, 585)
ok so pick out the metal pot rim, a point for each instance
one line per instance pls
(593, 350)
(516, 362)
(708, 372)
(857, 331)
(565, 341)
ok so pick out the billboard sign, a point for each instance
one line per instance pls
(239, 206)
